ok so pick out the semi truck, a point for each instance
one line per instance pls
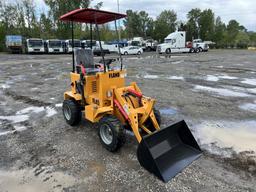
(176, 43)
(199, 44)
(14, 43)
(147, 45)
(35, 45)
(53, 46)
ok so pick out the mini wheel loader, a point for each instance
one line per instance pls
(99, 94)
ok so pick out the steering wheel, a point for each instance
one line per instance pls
(108, 62)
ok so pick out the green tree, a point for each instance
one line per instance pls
(192, 25)
(132, 23)
(206, 24)
(242, 39)
(60, 7)
(165, 23)
(219, 33)
(233, 28)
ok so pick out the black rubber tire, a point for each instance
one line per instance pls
(149, 123)
(168, 51)
(197, 50)
(125, 53)
(75, 112)
(118, 132)
(200, 49)
(139, 53)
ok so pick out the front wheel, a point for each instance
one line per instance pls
(125, 53)
(139, 53)
(71, 112)
(168, 51)
(111, 133)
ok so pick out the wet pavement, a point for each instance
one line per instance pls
(214, 92)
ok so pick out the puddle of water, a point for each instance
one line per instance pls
(249, 81)
(238, 135)
(168, 111)
(5, 86)
(30, 110)
(176, 78)
(227, 77)
(18, 128)
(23, 115)
(218, 77)
(252, 90)
(51, 78)
(222, 91)
(15, 118)
(50, 112)
(58, 105)
(148, 76)
(177, 62)
(25, 180)
(212, 78)
(248, 107)
(34, 88)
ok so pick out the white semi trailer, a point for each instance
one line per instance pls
(176, 43)
(35, 45)
(54, 46)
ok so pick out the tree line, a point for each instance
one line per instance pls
(24, 18)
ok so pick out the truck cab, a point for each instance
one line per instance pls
(35, 45)
(199, 44)
(68, 45)
(174, 43)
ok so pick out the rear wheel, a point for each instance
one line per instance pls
(126, 53)
(111, 133)
(200, 49)
(71, 112)
(149, 123)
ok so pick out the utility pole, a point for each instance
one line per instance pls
(119, 32)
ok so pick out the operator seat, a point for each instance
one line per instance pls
(84, 57)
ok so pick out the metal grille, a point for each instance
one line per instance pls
(94, 86)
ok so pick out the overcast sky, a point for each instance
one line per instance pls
(244, 11)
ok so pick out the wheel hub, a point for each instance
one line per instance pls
(106, 134)
(67, 112)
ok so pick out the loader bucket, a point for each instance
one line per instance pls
(167, 152)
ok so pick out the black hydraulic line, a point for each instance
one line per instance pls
(101, 50)
(73, 54)
(119, 51)
(91, 35)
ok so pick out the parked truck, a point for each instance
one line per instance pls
(147, 45)
(68, 45)
(54, 46)
(14, 43)
(34, 45)
(96, 47)
(176, 43)
(199, 44)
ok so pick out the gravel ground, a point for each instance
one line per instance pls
(215, 92)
